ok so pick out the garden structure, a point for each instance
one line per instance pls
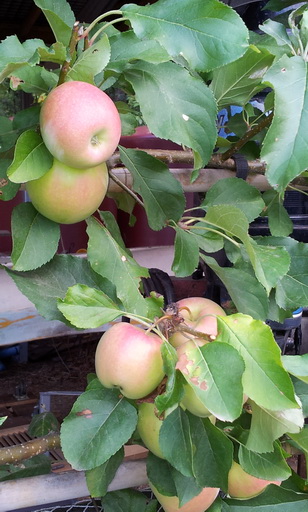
(201, 382)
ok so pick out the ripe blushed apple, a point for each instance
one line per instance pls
(130, 359)
(243, 485)
(199, 503)
(67, 195)
(148, 427)
(200, 314)
(80, 124)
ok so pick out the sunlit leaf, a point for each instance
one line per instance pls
(269, 466)
(297, 366)
(91, 62)
(60, 18)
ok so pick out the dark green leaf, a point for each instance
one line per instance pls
(60, 18)
(186, 253)
(269, 466)
(45, 285)
(162, 194)
(7, 134)
(8, 190)
(37, 465)
(190, 32)
(29, 229)
(159, 473)
(91, 62)
(127, 500)
(102, 423)
(42, 424)
(279, 221)
(174, 386)
(31, 159)
(98, 479)
(273, 499)
(182, 107)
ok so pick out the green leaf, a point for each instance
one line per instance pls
(98, 479)
(91, 62)
(182, 107)
(60, 18)
(190, 32)
(159, 474)
(186, 253)
(7, 134)
(2, 419)
(297, 366)
(211, 382)
(126, 500)
(268, 425)
(196, 448)
(55, 53)
(37, 465)
(238, 82)
(29, 79)
(235, 192)
(250, 299)
(278, 31)
(269, 466)
(174, 385)
(301, 390)
(30, 229)
(285, 146)
(14, 54)
(102, 423)
(112, 226)
(111, 261)
(27, 118)
(42, 424)
(230, 219)
(273, 498)
(45, 285)
(31, 159)
(8, 190)
(301, 440)
(186, 488)
(264, 380)
(162, 194)
(279, 221)
(88, 308)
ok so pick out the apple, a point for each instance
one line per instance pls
(80, 124)
(200, 314)
(193, 404)
(199, 503)
(130, 359)
(148, 427)
(67, 195)
(243, 485)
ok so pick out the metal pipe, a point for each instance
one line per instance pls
(57, 487)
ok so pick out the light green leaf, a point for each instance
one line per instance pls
(269, 425)
(297, 366)
(264, 380)
(301, 440)
(230, 219)
(98, 479)
(191, 32)
(250, 299)
(45, 285)
(8, 135)
(235, 192)
(43, 423)
(57, 53)
(31, 158)
(279, 221)
(102, 423)
(238, 82)
(60, 18)
(126, 500)
(29, 79)
(278, 31)
(14, 54)
(30, 229)
(301, 390)
(37, 465)
(91, 62)
(182, 107)
(285, 146)
(110, 260)
(162, 194)
(212, 381)
(186, 253)
(268, 466)
(88, 308)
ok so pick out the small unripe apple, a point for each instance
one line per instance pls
(193, 404)
(148, 427)
(80, 124)
(243, 485)
(200, 314)
(130, 359)
(68, 195)
(199, 503)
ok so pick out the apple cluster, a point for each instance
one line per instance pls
(81, 127)
(137, 369)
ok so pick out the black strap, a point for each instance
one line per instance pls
(241, 165)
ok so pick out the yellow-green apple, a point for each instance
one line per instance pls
(68, 195)
(148, 427)
(193, 404)
(199, 314)
(129, 358)
(243, 485)
(199, 503)
(80, 124)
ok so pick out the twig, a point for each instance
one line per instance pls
(17, 453)
(125, 188)
(72, 47)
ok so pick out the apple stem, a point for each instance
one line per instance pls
(125, 188)
(196, 334)
(100, 18)
(117, 20)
